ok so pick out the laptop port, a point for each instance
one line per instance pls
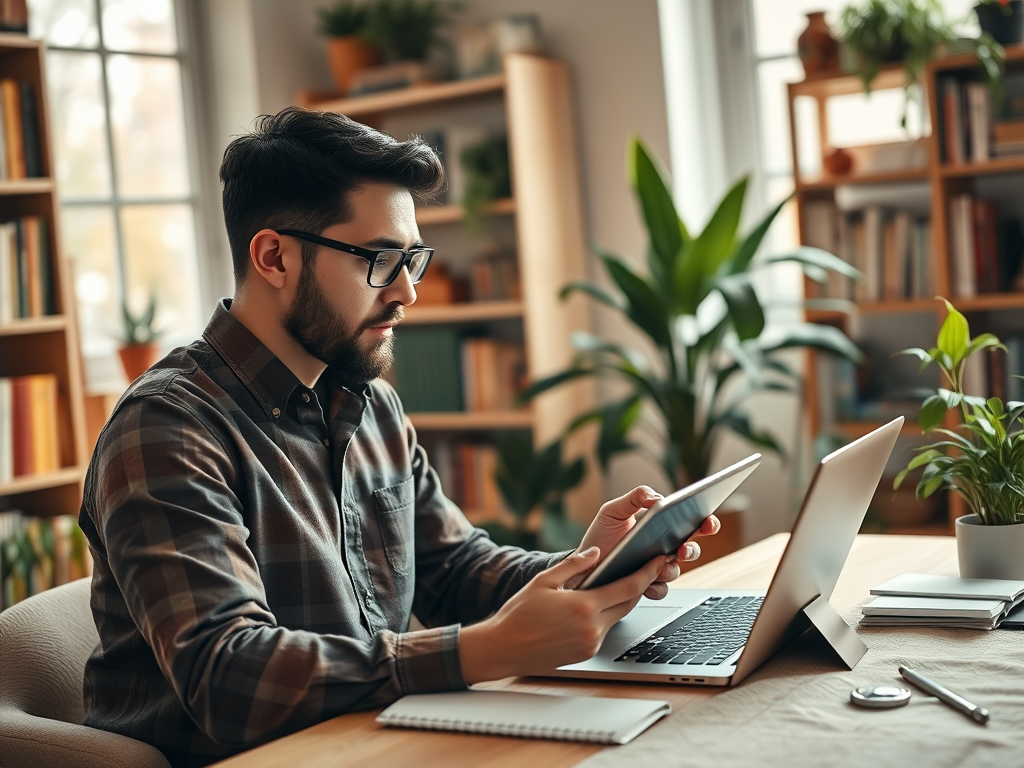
(698, 679)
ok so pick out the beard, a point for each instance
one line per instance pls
(322, 333)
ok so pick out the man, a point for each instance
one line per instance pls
(262, 518)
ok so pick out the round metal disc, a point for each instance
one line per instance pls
(879, 696)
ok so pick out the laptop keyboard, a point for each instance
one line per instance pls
(709, 634)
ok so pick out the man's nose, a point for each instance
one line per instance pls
(401, 290)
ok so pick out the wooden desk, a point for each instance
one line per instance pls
(352, 740)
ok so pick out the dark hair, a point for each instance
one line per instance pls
(294, 170)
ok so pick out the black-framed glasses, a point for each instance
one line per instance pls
(385, 264)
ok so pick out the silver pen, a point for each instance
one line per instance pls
(946, 696)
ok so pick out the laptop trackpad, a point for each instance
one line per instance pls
(637, 624)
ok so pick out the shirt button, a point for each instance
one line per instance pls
(305, 397)
(276, 413)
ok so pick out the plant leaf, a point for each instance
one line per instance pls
(715, 244)
(744, 309)
(984, 341)
(617, 419)
(954, 336)
(821, 337)
(552, 381)
(643, 306)
(746, 251)
(933, 411)
(816, 257)
(667, 231)
(593, 292)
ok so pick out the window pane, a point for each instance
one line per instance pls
(67, 23)
(130, 25)
(149, 126)
(79, 126)
(87, 234)
(773, 75)
(160, 256)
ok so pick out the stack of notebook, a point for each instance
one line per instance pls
(915, 599)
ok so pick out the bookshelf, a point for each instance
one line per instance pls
(911, 314)
(540, 224)
(45, 342)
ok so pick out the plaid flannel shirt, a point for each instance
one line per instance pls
(259, 548)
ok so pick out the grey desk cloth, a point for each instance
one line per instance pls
(795, 710)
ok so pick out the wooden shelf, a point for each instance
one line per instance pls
(26, 186)
(66, 476)
(450, 214)
(386, 101)
(990, 301)
(991, 167)
(46, 324)
(469, 312)
(473, 420)
(831, 182)
(832, 84)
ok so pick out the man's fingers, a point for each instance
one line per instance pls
(710, 526)
(628, 505)
(628, 587)
(669, 572)
(574, 566)
(657, 591)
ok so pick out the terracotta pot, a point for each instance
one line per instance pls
(348, 55)
(1006, 25)
(818, 50)
(837, 162)
(136, 359)
(989, 551)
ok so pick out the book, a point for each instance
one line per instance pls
(934, 607)
(533, 715)
(927, 585)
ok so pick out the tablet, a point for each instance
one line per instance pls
(669, 523)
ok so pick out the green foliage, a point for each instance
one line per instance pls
(699, 308)
(983, 459)
(139, 329)
(488, 178)
(529, 480)
(914, 31)
(343, 18)
(408, 29)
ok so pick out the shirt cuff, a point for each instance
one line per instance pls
(428, 660)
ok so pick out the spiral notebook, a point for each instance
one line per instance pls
(535, 715)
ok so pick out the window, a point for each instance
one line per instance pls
(128, 208)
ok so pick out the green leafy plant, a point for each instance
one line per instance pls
(530, 480)
(699, 309)
(408, 29)
(139, 329)
(488, 178)
(344, 18)
(914, 32)
(983, 458)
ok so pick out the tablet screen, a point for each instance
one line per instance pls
(669, 523)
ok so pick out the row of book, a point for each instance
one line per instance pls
(19, 130)
(892, 249)
(925, 600)
(441, 370)
(466, 471)
(37, 553)
(29, 432)
(985, 251)
(965, 130)
(27, 286)
(495, 276)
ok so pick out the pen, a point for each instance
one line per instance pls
(946, 696)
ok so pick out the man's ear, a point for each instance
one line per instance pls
(273, 257)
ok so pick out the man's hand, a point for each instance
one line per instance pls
(545, 625)
(617, 516)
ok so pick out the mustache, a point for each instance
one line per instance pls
(392, 313)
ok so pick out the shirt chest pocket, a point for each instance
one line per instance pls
(395, 510)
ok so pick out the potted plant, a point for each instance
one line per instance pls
(982, 459)
(876, 32)
(699, 309)
(532, 480)
(344, 24)
(1002, 19)
(138, 350)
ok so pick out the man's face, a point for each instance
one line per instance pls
(335, 316)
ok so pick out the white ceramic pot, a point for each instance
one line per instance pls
(989, 551)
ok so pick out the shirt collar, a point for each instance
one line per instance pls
(271, 382)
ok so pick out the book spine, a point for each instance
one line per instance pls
(6, 432)
(11, 97)
(21, 406)
(31, 140)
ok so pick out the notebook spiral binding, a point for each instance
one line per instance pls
(501, 729)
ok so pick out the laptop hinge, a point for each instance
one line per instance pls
(835, 630)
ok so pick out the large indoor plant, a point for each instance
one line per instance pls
(348, 51)
(913, 32)
(709, 345)
(982, 459)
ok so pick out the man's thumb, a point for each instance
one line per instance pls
(567, 572)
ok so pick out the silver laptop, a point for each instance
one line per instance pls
(704, 637)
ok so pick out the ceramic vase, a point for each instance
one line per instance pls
(137, 358)
(346, 56)
(1005, 24)
(989, 551)
(818, 50)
